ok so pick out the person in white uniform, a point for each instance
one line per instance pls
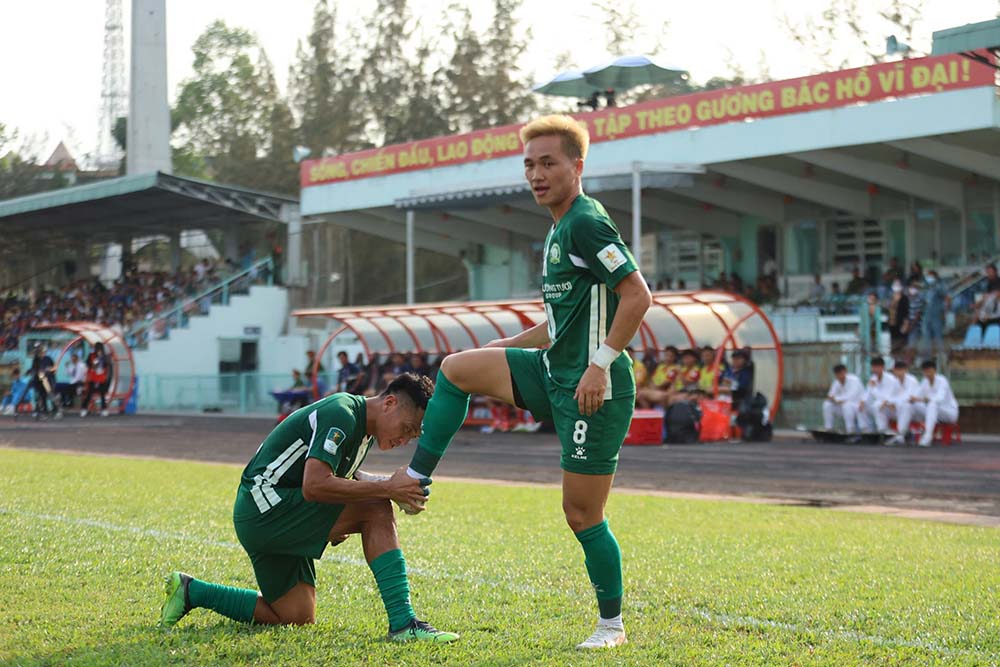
(878, 403)
(934, 403)
(909, 387)
(843, 399)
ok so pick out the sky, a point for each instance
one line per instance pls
(51, 50)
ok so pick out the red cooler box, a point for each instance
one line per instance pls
(646, 428)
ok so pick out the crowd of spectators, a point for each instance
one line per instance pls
(135, 296)
(369, 379)
(675, 375)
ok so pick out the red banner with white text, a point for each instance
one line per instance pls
(918, 76)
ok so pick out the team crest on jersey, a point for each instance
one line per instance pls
(611, 257)
(334, 438)
(555, 253)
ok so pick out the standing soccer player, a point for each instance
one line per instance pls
(303, 490)
(595, 300)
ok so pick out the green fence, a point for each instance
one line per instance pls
(230, 393)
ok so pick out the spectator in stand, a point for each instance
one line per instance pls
(912, 325)
(843, 399)
(902, 403)
(347, 373)
(858, 284)
(988, 308)
(916, 273)
(98, 379)
(892, 273)
(737, 380)
(357, 387)
(690, 373)
(42, 378)
(76, 371)
(371, 377)
(396, 366)
(662, 383)
(311, 367)
(898, 312)
(870, 324)
(878, 404)
(936, 301)
(15, 396)
(816, 290)
(992, 280)
(735, 283)
(297, 381)
(709, 370)
(419, 365)
(935, 402)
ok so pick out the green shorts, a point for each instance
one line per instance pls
(284, 542)
(590, 445)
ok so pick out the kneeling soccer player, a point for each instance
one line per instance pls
(595, 300)
(298, 493)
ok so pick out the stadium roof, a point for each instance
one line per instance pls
(138, 205)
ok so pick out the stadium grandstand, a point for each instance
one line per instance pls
(798, 198)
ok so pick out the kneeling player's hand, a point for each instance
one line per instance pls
(409, 493)
(497, 342)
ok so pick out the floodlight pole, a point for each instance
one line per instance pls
(410, 220)
(637, 211)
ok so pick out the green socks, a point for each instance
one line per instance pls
(235, 603)
(604, 565)
(390, 575)
(445, 414)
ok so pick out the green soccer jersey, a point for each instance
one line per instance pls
(585, 259)
(331, 430)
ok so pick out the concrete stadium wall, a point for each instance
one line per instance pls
(260, 315)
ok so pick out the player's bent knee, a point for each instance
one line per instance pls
(580, 518)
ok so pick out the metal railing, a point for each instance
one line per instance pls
(158, 326)
(229, 393)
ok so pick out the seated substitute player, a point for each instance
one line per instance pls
(844, 398)
(878, 404)
(583, 384)
(909, 388)
(299, 492)
(934, 403)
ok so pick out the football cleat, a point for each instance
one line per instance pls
(419, 630)
(176, 603)
(605, 636)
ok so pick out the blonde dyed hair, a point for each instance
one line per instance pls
(574, 135)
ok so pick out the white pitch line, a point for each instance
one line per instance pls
(725, 620)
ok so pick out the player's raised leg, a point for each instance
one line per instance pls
(484, 371)
(584, 498)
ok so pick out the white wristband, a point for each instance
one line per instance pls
(604, 356)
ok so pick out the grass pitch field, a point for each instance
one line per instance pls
(85, 541)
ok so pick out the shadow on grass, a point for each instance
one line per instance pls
(230, 643)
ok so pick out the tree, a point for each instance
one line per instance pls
(507, 98)
(464, 81)
(847, 34)
(231, 112)
(323, 88)
(621, 25)
(20, 172)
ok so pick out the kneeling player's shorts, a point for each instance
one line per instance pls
(590, 445)
(284, 542)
